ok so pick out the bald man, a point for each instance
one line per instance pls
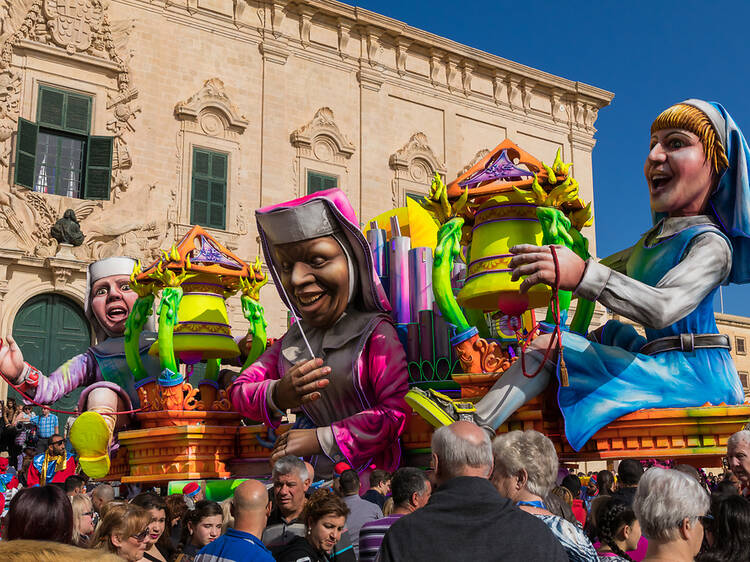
(250, 508)
(466, 510)
(101, 496)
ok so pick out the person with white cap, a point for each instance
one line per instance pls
(102, 370)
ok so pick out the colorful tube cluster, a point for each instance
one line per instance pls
(398, 258)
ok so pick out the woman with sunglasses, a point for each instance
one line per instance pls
(123, 531)
(200, 526)
(159, 546)
(83, 519)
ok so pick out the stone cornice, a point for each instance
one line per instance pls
(352, 20)
(732, 320)
(415, 36)
(55, 52)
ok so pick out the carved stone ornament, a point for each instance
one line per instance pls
(208, 106)
(81, 27)
(418, 148)
(73, 24)
(322, 139)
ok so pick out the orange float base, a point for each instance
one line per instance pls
(247, 439)
(178, 452)
(696, 435)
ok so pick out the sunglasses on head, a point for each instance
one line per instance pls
(140, 537)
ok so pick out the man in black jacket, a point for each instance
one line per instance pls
(466, 518)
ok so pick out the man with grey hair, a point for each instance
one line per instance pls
(466, 518)
(290, 482)
(670, 506)
(738, 457)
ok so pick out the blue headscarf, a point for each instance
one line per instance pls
(730, 202)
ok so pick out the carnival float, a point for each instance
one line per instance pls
(461, 323)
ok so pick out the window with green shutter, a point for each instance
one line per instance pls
(319, 182)
(57, 154)
(208, 200)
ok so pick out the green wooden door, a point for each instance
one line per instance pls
(50, 329)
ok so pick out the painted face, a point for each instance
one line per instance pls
(326, 532)
(157, 524)
(678, 174)
(206, 530)
(289, 493)
(738, 457)
(111, 301)
(315, 275)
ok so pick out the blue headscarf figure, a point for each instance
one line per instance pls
(729, 204)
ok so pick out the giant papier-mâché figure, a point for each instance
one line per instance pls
(102, 369)
(697, 174)
(340, 366)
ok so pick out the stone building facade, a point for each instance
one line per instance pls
(145, 117)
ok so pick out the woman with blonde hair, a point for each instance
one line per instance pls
(83, 519)
(24, 550)
(123, 531)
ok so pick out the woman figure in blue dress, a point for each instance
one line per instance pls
(697, 174)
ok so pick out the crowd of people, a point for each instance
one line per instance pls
(506, 499)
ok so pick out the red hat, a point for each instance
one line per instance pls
(340, 467)
(191, 489)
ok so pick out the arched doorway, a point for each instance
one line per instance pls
(50, 329)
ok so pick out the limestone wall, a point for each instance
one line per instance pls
(282, 88)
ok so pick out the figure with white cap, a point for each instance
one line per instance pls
(102, 370)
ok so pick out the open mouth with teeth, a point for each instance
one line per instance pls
(117, 313)
(659, 180)
(309, 299)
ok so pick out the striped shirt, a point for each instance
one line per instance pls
(371, 535)
(46, 424)
(574, 541)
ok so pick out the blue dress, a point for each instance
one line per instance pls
(611, 379)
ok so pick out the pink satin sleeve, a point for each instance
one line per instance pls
(248, 391)
(373, 433)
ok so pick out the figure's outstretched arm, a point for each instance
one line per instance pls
(706, 264)
(77, 371)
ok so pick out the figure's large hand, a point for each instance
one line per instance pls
(11, 359)
(536, 262)
(297, 442)
(301, 384)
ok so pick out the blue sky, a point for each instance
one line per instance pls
(650, 54)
